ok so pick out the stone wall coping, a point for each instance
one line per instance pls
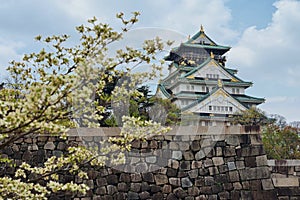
(273, 163)
(175, 130)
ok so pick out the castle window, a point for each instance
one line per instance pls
(230, 109)
(188, 87)
(237, 90)
(210, 108)
(192, 87)
(233, 90)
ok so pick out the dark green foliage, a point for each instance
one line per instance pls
(281, 143)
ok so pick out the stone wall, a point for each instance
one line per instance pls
(187, 163)
(285, 175)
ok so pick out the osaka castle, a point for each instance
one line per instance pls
(202, 86)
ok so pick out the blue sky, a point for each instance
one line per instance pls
(264, 35)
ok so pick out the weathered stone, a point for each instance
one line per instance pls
(193, 173)
(262, 160)
(199, 182)
(93, 174)
(135, 187)
(132, 195)
(166, 153)
(209, 180)
(186, 182)
(233, 140)
(145, 186)
(250, 161)
(219, 151)
(171, 172)
(124, 178)
(239, 164)
(153, 144)
(101, 190)
(167, 189)
(175, 181)
(136, 177)
(237, 186)
(119, 196)
(193, 191)
(208, 162)
(231, 166)
(223, 169)
(49, 146)
(111, 189)
(267, 184)
(195, 146)
(155, 188)
(112, 179)
(286, 182)
(229, 151)
(196, 164)
(213, 197)
(122, 187)
(234, 176)
(221, 178)
(246, 185)
(144, 195)
(188, 155)
(148, 177)
(218, 161)
(173, 146)
(173, 164)
(213, 170)
(216, 188)
(203, 171)
(141, 167)
(177, 155)
(33, 147)
(180, 193)
(255, 185)
(136, 144)
(246, 195)
(61, 146)
(255, 173)
(184, 146)
(185, 165)
(205, 190)
(224, 195)
(172, 197)
(199, 155)
(57, 153)
(160, 179)
(209, 152)
(228, 186)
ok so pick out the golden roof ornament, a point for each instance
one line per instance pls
(201, 28)
(212, 55)
(220, 84)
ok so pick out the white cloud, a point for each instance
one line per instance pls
(272, 53)
(8, 52)
(186, 16)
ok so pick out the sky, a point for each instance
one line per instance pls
(264, 35)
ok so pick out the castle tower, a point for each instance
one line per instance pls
(201, 85)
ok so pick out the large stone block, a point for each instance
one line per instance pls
(286, 182)
(233, 176)
(160, 179)
(218, 161)
(255, 173)
(267, 184)
(186, 182)
(177, 155)
(175, 181)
